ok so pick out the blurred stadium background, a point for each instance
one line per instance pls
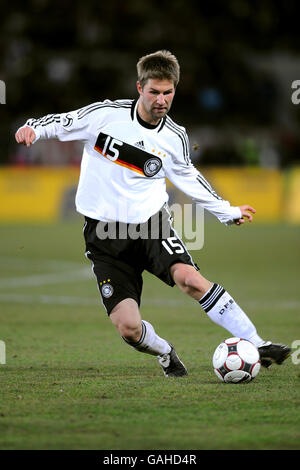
(69, 382)
(238, 62)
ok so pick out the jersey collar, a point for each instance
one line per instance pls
(135, 116)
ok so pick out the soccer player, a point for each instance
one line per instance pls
(130, 147)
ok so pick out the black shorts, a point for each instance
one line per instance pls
(121, 252)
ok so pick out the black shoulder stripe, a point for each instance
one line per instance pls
(180, 131)
(94, 108)
(86, 108)
(176, 128)
(127, 102)
(85, 111)
(103, 103)
(103, 106)
(183, 139)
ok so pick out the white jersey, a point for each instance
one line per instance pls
(125, 162)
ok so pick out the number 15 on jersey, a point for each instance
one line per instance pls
(172, 245)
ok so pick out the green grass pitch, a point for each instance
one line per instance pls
(70, 382)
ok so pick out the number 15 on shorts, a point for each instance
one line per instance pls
(172, 245)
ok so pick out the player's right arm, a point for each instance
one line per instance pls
(73, 125)
(25, 135)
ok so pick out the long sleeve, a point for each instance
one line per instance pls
(182, 173)
(73, 125)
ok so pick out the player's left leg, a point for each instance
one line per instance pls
(223, 310)
(216, 302)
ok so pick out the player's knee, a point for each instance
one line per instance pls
(189, 280)
(130, 332)
(192, 283)
(197, 284)
(179, 274)
(185, 276)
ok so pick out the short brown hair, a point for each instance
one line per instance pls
(161, 65)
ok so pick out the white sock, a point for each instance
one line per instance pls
(150, 342)
(223, 310)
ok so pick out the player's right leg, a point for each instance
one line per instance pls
(120, 282)
(125, 316)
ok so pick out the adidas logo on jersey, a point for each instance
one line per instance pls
(140, 145)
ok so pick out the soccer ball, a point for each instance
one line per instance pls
(236, 360)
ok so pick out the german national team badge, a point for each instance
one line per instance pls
(107, 289)
(152, 166)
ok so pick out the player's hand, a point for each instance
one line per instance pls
(247, 212)
(25, 136)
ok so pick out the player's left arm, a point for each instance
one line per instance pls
(182, 173)
(246, 212)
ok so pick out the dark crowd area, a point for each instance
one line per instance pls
(238, 62)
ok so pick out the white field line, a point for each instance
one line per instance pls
(47, 299)
(19, 262)
(95, 301)
(64, 272)
(76, 273)
(46, 279)
(73, 300)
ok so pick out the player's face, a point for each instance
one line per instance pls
(155, 99)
